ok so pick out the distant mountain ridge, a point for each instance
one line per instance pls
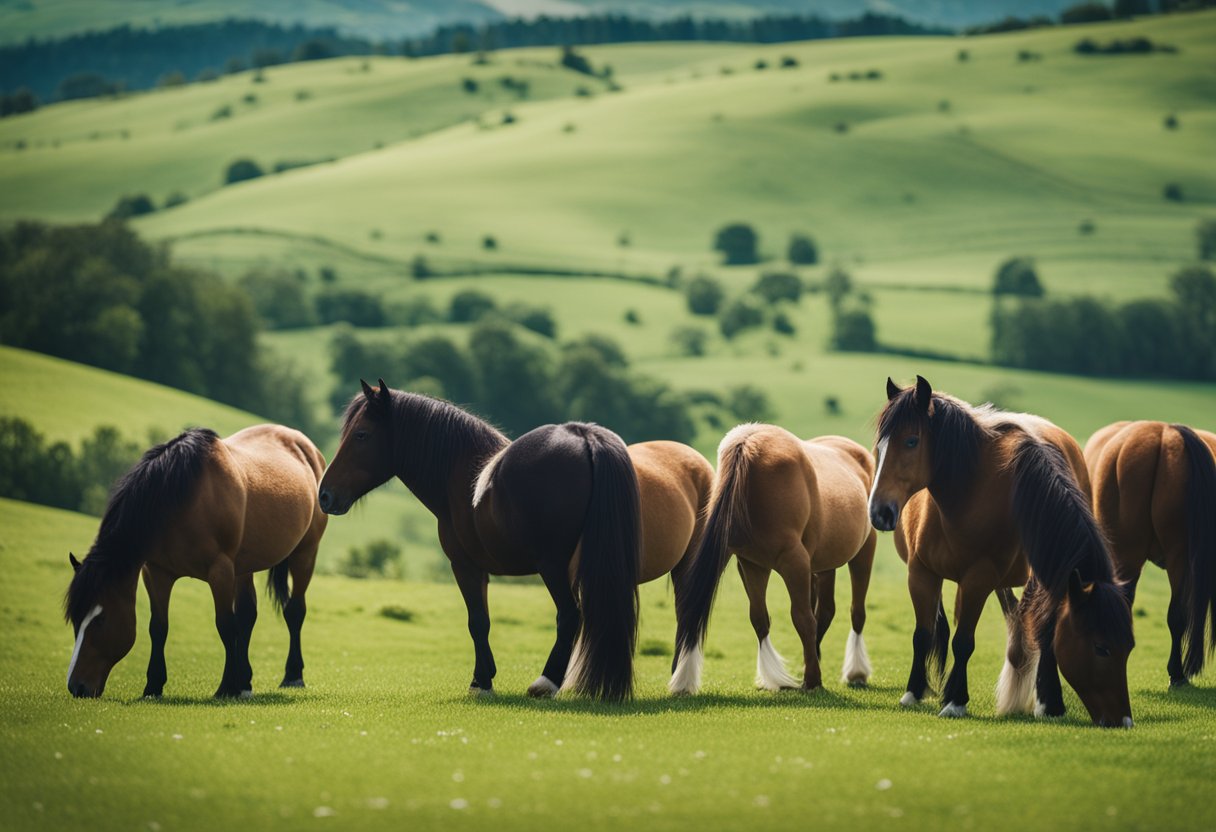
(388, 19)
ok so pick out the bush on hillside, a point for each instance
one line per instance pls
(131, 206)
(175, 199)
(704, 296)
(470, 305)
(1172, 192)
(352, 306)
(837, 285)
(853, 330)
(802, 250)
(242, 170)
(278, 297)
(1017, 276)
(85, 85)
(1087, 12)
(534, 318)
(748, 403)
(1205, 234)
(778, 286)
(740, 314)
(738, 244)
(689, 341)
(21, 100)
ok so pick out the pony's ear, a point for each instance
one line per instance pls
(1077, 596)
(368, 392)
(75, 563)
(924, 394)
(892, 389)
(384, 392)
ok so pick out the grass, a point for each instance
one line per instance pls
(384, 736)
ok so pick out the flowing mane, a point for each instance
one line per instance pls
(1061, 536)
(958, 432)
(430, 436)
(140, 506)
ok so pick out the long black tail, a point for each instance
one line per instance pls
(607, 579)
(1201, 550)
(276, 586)
(939, 649)
(727, 517)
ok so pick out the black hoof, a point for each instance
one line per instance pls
(150, 693)
(292, 683)
(1180, 682)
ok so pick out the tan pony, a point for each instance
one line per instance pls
(993, 500)
(1155, 496)
(797, 508)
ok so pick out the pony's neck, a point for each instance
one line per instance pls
(960, 444)
(438, 448)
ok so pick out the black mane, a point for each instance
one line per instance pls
(956, 440)
(141, 504)
(1061, 536)
(430, 436)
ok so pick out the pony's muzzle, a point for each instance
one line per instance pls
(82, 691)
(884, 516)
(329, 502)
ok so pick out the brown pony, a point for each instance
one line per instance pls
(571, 502)
(989, 500)
(1155, 496)
(208, 508)
(797, 507)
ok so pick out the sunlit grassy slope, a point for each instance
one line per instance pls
(384, 736)
(67, 401)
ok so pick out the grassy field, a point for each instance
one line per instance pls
(384, 736)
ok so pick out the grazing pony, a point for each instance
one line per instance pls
(208, 508)
(1155, 497)
(569, 502)
(994, 500)
(797, 507)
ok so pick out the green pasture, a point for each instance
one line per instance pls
(385, 736)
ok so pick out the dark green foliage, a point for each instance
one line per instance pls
(740, 314)
(1087, 12)
(633, 317)
(761, 64)
(738, 244)
(609, 351)
(54, 475)
(1130, 46)
(131, 206)
(517, 392)
(1086, 227)
(469, 85)
(534, 318)
(489, 242)
(395, 612)
(377, 559)
(748, 403)
(1205, 234)
(420, 268)
(704, 296)
(837, 284)
(278, 297)
(314, 49)
(783, 324)
(21, 100)
(963, 56)
(1017, 276)
(85, 85)
(175, 199)
(350, 305)
(242, 170)
(778, 286)
(470, 305)
(853, 331)
(206, 75)
(1170, 122)
(690, 340)
(788, 62)
(574, 60)
(1172, 192)
(415, 311)
(802, 250)
(175, 78)
(1132, 8)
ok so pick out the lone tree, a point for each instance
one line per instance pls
(704, 296)
(241, 170)
(737, 242)
(802, 251)
(131, 206)
(838, 284)
(1017, 276)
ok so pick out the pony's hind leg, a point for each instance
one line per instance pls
(925, 588)
(794, 567)
(300, 566)
(246, 617)
(685, 664)
(824, 598)
(159, 584)
(559, 668)
(770, 667)
(223, 585)
(474, 583)
(857, 669)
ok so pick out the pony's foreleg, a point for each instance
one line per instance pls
(973, 592)
(1047, 681)
(1176, 617)
(925, 589)
(824, 596)
(558, 668)
(857, 669)
(770, 667)
(1015, 686)
(794, 567)
(473, 584)
(246, 617)
(159, 584)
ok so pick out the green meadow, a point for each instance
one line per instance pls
(918, 183)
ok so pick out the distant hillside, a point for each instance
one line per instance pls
(380, 19)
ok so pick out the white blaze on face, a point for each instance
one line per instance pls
(882, 457)
(84, 625)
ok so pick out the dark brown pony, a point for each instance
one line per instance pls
(1155, 496)
(795, 507)
(208, 508)
(569, 502)
(994, 500)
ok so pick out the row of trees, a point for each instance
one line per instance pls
(739, 245)
(1173, 337)
(99, 295)
(54, 474)
(1091, 12)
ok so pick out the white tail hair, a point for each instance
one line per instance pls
(686, 679)
(770, 668)
(857, 669)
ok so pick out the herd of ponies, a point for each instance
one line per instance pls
(988, 499)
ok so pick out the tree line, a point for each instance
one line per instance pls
(99, 295)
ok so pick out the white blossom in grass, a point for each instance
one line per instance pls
(883, 784)
(762, 801)
(377, 803)
(323, 812)
(459, 803)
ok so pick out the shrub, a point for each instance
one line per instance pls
(469, 85)
(489, 243)
(85, 85)
(788, 62)
(278, 299)
(350, 305)
(740, 314)
(690, 341)
(396, 612)
(378, 559)
(328, 274)
(963, 56)
(1086, 227)
(749, 403)
(313, 49)
(783, 324)
(1171, 122)
(470, 305)
(802, 250)
(761, 64)
(1205, 234)
(838, 284)
(131, 206)
(738, 243)
(420, 268)
(1172, 192)
(1087, 12)
(222, 112)
(533, 318)
(633, 317)
(1017, 276)
(608, 350)
(704, 296)
(172, 79)
(175, 199)
(242, 170)
(574, 60)
(21, 100)
(853, 331)
(415, 311)
(778, 286)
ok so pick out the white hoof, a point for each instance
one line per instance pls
(480, 692)
(1127, 722)
(857, 669)
(1040, 711)
(952, 711)
(542, 688)
(909, 700)
(246, 694)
